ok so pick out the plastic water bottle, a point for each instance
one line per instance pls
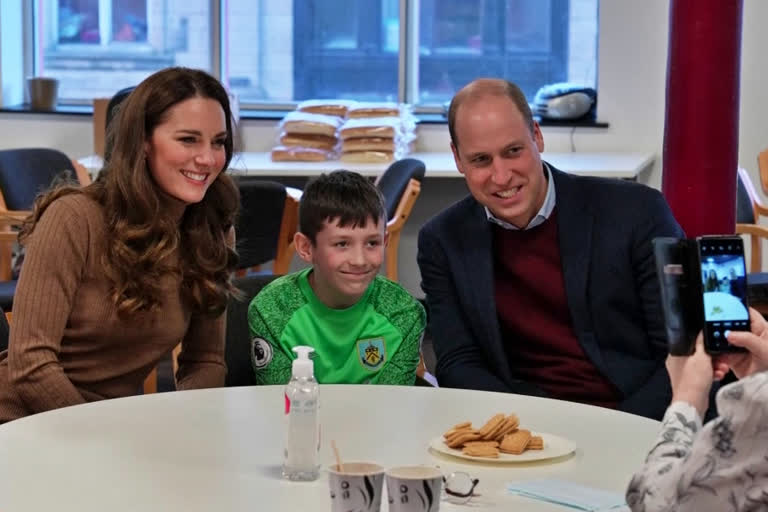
(302, 441)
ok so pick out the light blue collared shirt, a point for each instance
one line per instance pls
(544, 212)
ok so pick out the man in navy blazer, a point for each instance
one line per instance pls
(542, 282)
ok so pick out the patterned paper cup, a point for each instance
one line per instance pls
(357, 486)
(414, 489)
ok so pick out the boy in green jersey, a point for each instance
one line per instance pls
(363, 327)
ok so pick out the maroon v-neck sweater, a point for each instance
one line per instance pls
(535, 320)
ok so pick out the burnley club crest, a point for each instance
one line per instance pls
(371, 353)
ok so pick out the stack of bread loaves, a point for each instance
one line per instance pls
(310, 133)
(376, 132)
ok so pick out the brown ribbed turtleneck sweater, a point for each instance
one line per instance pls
(68, 346)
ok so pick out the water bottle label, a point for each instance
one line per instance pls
(287, 404)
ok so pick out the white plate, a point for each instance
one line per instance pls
(554, 446)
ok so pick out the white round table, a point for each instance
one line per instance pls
(221, 449)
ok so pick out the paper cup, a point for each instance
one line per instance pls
(357, 487)
(414, 489)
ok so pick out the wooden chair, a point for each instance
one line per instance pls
(749, 209)
(762, 166)
(400, 185)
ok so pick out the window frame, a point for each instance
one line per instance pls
(106, 32)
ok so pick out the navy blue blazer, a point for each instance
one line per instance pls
(605, 228)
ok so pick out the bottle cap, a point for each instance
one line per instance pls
(303, 366)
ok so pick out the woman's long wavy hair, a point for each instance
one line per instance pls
(142, 242)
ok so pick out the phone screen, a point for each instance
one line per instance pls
(724, 289)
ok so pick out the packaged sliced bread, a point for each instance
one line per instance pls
(309, 140)
(367, 157)
(369, 144)
(337, 108)
(300, 154)
(374, 109)
(314, 124)
(384, 127)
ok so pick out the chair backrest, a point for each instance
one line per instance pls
(746, 196)
(261, 214)
(24, 173)
(104, 110)
(762, 166)
(749, 211)
(112, 110)
(5, 330)
(115, 102)
(238, 341)
(393, 182)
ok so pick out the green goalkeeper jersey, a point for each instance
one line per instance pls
(374, 341)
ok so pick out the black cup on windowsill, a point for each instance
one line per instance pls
(43, 93)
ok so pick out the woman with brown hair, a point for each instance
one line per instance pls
(119, 272)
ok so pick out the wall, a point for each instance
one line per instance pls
(631, 79)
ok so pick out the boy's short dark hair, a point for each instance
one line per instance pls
(343, 195)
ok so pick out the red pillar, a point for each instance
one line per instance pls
(701, 128)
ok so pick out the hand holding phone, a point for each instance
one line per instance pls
(703, 288)
(755, 357)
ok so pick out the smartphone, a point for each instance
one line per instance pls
(703, 284)
(723, 277)
(680, 293)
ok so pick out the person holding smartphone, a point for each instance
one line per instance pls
(722, 465)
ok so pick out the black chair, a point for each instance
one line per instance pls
(394, 181)
(238, 348)
(111, 113)
(400, 185)
(269, 218)
(5, 330)
(115, 101)
(24, 173)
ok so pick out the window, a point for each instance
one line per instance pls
(96, 47)
(277, 52)
(345, 48)
(460, 40)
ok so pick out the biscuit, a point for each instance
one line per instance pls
(480, 451)
(491, 424)
(510, 425)
(515, 442)
(463, 424)
(535, 443)
(455, 430)
(493, 444)
(452, 434)
(459, 439)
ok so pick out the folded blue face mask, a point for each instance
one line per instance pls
(568, 494)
